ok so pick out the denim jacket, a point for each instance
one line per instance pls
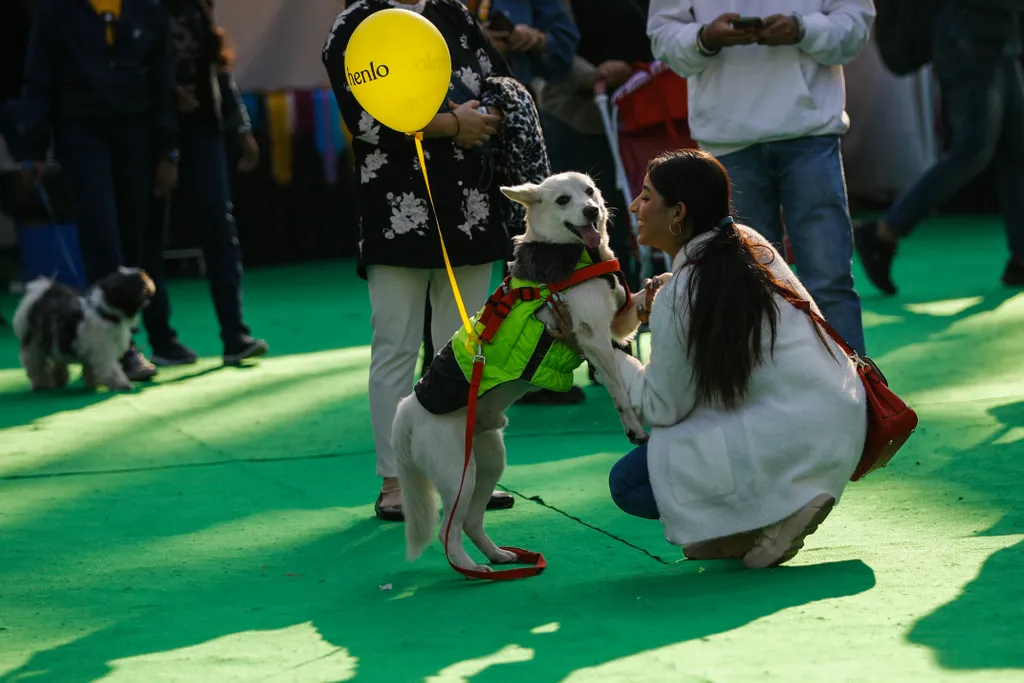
(563, 39)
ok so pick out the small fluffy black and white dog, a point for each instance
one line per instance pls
(58, 326)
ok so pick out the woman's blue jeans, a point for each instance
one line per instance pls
(630, 485)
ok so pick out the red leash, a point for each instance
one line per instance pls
(496, 309)
(536, 560)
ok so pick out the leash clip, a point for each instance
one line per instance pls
(480, 355)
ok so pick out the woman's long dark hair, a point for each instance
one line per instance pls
(730, 291)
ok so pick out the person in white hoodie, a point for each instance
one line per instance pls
(768, 100)
(757, 418)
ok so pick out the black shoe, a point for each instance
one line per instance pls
(136, 367)
(501, 501)
(244, 349)
(393, 513)
(173, 353)
(547, 397)
(1013, 276)
(876, 256)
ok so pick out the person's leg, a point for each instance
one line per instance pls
(157, 316)
(474, 285)
(1011, 170)
(974, 96)
(134, 170)
(83, 151)
(205, 189)
(396, 307)
(754, 194)
(630, 485)
(428, 346)
(812, 187)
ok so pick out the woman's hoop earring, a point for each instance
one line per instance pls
(675, 233)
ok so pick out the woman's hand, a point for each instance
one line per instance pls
(187, 100)
(475, 127)
(527, 39)
(651, 287)
(720, 33)
(563, 319)
(499, 39)
(614, 72)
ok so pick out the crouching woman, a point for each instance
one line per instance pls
(757, 418)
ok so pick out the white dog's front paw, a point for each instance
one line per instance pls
(500, 556)
(637, 437)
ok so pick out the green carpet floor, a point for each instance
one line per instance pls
(218, 525)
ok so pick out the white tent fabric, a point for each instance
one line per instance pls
(278, 42)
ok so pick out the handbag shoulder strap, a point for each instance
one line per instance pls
(816, 320)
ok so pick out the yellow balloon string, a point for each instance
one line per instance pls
(472, 338)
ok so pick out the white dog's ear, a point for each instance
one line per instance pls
(526, 194)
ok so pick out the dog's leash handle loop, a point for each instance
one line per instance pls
(536, 560)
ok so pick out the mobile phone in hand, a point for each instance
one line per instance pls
(747, 22)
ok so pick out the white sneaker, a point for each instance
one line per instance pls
(781, 541)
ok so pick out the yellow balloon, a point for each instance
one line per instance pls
(398, 68)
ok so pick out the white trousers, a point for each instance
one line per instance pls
(397, 304)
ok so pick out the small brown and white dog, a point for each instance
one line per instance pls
(58, 326)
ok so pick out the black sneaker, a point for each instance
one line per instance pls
(244, 349)
(875, 255)
(173, 353)
(136, 367)
(547, 397)
(1013, 276)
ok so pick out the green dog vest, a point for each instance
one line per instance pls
(514, 343)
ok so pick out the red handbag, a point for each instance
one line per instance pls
(890, 420)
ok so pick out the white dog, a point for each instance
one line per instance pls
(565, 218)
(58, 326)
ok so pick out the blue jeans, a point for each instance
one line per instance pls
(983, 90)
(111, 171)
(630, 485)
(804, 177)
(205, 195)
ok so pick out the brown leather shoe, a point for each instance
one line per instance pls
(728, 548)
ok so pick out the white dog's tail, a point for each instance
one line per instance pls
(419, 500)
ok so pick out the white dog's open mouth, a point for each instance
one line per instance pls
(588, 233)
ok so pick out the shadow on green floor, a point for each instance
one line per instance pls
(983, 627)
(438, 623)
